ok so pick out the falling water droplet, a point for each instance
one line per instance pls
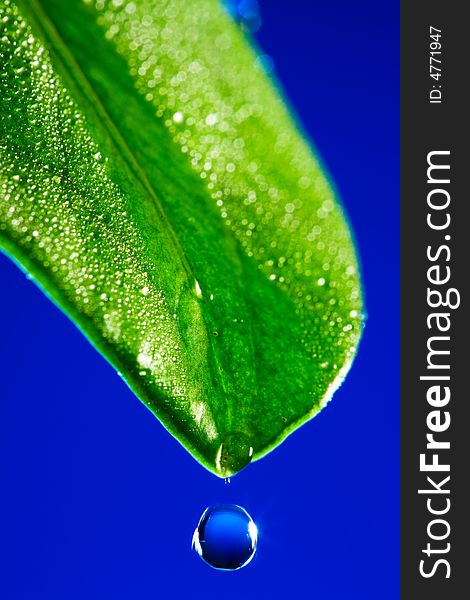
(226, 537)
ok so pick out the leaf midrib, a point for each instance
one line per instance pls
(67, 63)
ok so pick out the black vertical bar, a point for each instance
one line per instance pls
(434, 118)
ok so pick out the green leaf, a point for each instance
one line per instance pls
(154, 184)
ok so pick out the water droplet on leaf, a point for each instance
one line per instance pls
(226, 537)
(234, 454)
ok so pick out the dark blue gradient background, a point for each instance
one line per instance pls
(99, 502)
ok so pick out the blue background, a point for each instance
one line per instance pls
(98, 501)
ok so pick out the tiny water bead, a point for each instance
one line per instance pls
(234, 454)
(226, 537)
